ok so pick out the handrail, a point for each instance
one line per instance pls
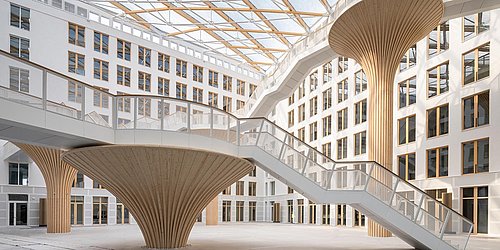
(309, 156)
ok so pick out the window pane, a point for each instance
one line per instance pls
(483, 155)
(23, 174)
(482, 215)
(402, 94)
(483, 109)
(469, 67)
(469, 26)
(431, 163)
(13, 174)
(411, 129)
(432, 79)
(443, 161)
(483, 62)
(402, 166)
(402, 131)
(411, 167)
(412, 91)
(431, 123)
(444, 78)
(443, 120)
(468, 113)
(468, 157)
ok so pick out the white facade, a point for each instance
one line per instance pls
(49, 47)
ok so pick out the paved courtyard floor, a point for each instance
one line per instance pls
(222, 237)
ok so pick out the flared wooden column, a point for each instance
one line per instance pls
(59, 177)
(377, 33)
(212, 212)
(164, 188)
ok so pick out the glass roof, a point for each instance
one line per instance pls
(257, 32)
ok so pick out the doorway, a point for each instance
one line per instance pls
(18, 209)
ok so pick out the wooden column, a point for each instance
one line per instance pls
(212, 212)
(164, 188)
(59, 177)
(377, 33)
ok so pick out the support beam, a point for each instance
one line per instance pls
(59, 177)
(164, 188)
(378, 41)
(287, 33)
(227, 9)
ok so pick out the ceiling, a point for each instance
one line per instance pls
(257, 32)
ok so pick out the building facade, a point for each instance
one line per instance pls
(444, 126)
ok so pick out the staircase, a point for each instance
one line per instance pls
(404, 209)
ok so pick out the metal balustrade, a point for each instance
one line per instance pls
(57, 93)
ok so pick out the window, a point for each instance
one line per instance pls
(438, 80)
(327, 99)
(407, 92)
(252, 188)
(213, 99)
(301, 133)
(20, 47)
(227, 83)
(76, 208)
(437, 121)
(239, 104)
(99, 210)
(123, 75)
(476, 110)
(18, 173)
(407, 129)
(439, 39)
(313, 106)
(273, 187)
(124, 104)
(240, 87)
(144, 81)
(475, 156)
(437, 162)
(78, 181)
(342, 119)
(252, 88)
(407, 166)
(197, 95)
(253, 173)
(101, 99)
(239, 210)
(475, 24)
(144, 106)
(360, 143)
(313, 131)
(19, 17)
(327, 126)
(123, 49)
(302, 89)
(101, 42)
(313, 81)
(144, 55)
(476, 64)
(76, 63)
(75, 91)
(409, 59)
(240, 187)
(76, 34)
(361, 81)
(163, 86)
(360, 111)
(213, 78)
(19, 79)
(343, 91)
(227, 191)
(226, 211)
(342, 148)
(312, 212)
(197, 73)
(343, 64)
(180, 91)
(290, 211)
(326, 149)
(291, 119)
(327, 72)
(101, 70)
(252, 210)
(475, 207)
(163, 62)
(291, 99)
(227, 104)
(180, 68)
(325, 214)
(302, 112)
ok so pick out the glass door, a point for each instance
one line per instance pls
(18, 213)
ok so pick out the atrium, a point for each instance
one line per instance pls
(212, 124)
